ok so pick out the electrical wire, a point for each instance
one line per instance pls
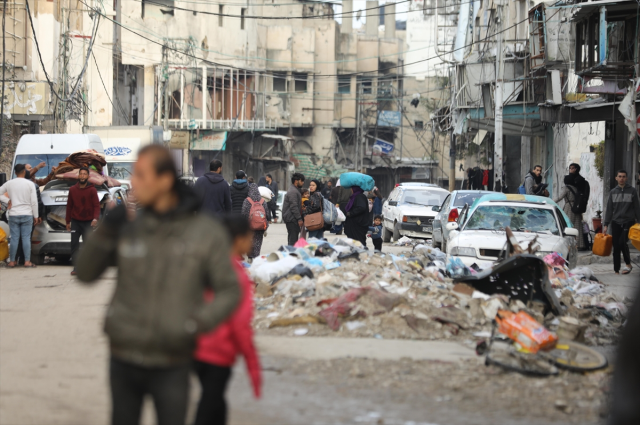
(44, 69)
(280, 17)
(121, 110)
(320, 75)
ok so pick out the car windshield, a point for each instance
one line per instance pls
(467, 198)
(121, 170)
(523, 219)
(280, 197)
(51, 160)
(423, 197)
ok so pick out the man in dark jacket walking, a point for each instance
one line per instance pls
(83, 211)
(622, 212)
(214, 190)
(239, 192)
(292, 208)
(326, 190)
(166, 258)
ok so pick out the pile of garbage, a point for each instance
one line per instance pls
(342, 289)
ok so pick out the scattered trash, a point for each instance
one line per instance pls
(301, 331)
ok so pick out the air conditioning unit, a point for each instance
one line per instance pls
(553, 88)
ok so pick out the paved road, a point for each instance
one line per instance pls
(53, 359)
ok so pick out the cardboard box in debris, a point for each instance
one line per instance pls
(339, 288)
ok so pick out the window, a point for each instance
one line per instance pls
(365, 85)
(300, 82)
(520, 219)
(280, 81)
(344, 84)
(220, 13)
(419, 124)
(242, 11)
(424, 198)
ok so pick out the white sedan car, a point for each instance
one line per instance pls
(482, 237)
(408, 211)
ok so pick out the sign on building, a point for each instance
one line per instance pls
(382, 148)
(179, 139)
(210, 141)
(389, 119)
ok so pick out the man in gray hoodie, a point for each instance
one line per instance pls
(622, 212)
(167, 256)
(292, 208)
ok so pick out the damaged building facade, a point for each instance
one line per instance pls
(286, 87)
(556, 80)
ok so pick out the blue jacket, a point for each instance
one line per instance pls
(377, 206)
(376, 231)
(214, 194)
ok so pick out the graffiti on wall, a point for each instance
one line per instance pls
(26, 98)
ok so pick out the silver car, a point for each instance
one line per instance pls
(448, 212)
(51, 238)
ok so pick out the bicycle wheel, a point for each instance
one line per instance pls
(577, 357)
(505, 356)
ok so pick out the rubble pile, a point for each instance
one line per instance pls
(320, 288)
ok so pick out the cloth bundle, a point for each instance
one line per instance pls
(95, 161)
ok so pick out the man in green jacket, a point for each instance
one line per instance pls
(166, 257)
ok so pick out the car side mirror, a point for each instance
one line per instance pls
(393, 203)
(452, 226)
(436, 208)
(570, 231)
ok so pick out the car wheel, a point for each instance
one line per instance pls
(386, 235)
(436, 244)
(37, 259)
(444, 247)
(396, 232)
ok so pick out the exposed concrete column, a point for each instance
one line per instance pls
(608, 181)
(347, 20)
(146, 115)
(389, 20)
(373, 15)
(525, 156)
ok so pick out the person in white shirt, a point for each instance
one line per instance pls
(23, 212)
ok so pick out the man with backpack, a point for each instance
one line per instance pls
(575, 194)
(533, 183)
(239, 191)
(622, 212)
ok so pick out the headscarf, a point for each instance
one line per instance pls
(570, 180)
(319, 185)
(262, 181)
(254, 193)
(356, 191)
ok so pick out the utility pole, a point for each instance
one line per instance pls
(357, 139)
(452, 162)
(165, 68)
(497, 154)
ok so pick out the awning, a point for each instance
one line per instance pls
(582, 112)
(516, 120)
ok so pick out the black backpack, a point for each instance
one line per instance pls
(581, 198)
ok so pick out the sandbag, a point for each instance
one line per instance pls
(363, 181)
(329, 211)
(265, 192)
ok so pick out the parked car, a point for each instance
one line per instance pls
(51, 236)
(449, 211)
(279, 203)
(408, 211)
(481, 238)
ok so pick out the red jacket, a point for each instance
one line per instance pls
(83, 203)
(235, 336)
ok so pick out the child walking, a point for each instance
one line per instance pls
(216, 351)
(376, 233)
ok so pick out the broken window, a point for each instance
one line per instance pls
(280, 81)
(220, 13)
(300, 82)
(166, 6)
(344, 84)
(419, 124)
(242, 12)
(365, 85)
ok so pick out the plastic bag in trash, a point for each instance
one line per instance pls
(456, 268)
(302, 270)
(583, 272)
(266, 271)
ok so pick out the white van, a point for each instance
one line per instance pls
(52, 149)
(122, 143)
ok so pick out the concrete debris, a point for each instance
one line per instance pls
(410, 295)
